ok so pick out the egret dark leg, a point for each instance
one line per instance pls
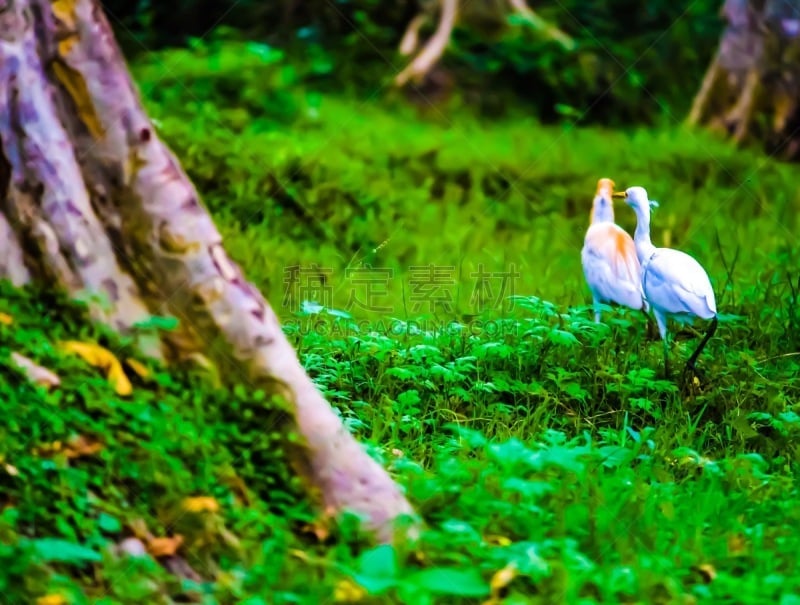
(709, 333)
(651, 332)
(661, 321)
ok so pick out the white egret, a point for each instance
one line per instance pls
(609, 260)
(675, 285)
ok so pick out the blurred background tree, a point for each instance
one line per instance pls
(634, 62)
(751, 88)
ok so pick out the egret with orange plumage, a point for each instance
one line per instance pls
(610, 264)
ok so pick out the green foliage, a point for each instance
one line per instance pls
(529, 437)
(632, 62)
(347, 184)
(172, 439)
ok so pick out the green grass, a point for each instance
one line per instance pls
(527, 436)
(296, 179)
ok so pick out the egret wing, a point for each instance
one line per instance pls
(677, 283)
(610, 269)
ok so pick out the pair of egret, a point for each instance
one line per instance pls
(633, 273)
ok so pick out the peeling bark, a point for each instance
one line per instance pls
(103, 205)
(12, 263)
(46, 198)
(755, 72)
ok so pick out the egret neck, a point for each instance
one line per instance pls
(603, 205)
(641, 237)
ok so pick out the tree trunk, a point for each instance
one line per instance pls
(474, 13)
(750, 90)
(94, 202)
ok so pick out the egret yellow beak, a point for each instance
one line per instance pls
(620, 194)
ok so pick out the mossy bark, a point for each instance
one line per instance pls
(751, 90)
(93, 200)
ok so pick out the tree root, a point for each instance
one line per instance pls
(434, 48)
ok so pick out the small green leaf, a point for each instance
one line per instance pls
(108, 523)
(567, 110)
(254, 600)
(377, 569)
(55, 550)
(155, 322)
(460, 582)
(562, 337)
(530, 489)
(615, 455)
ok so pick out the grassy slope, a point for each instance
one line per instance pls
(546, 441)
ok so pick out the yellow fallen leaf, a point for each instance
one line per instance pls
(318, 529)
(164, 547)
(6, 319)
(502, 578)
(707, 571)
(11, 469)
(347, 591)
(497, 540)
(51, 599)
(76, 447)
(82, 446)
(99, 357)
(321, 526)
(138, 367)
(47, 449)
(200, 504)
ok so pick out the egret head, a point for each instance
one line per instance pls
(603, 204)
(636, 198)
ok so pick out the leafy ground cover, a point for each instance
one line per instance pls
(551, 460)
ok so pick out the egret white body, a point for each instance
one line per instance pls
(675, 285)
(610, 264)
